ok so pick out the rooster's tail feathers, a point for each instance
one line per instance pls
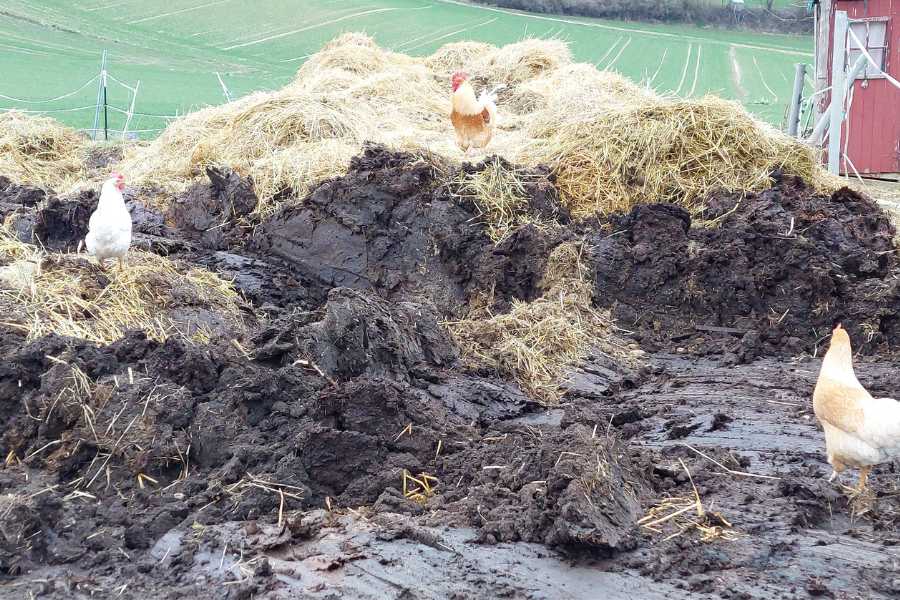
(491, 96)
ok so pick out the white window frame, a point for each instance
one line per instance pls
(853, 53)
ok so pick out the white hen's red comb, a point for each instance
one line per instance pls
(120, 180)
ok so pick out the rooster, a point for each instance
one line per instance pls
(109, 230)
(860, 431)
(474, 119)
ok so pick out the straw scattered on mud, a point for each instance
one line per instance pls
(68, 295)
(537, 343)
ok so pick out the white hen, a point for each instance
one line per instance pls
(860, 431)
(109, 230)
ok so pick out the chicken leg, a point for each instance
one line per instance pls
(121, 264)
(863, 479)
(837, 468)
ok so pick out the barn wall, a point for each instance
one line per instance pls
(872, 132)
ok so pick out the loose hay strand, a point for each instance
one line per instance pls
(537, 343)
(672, 517)
(423, 489)
(498, 192)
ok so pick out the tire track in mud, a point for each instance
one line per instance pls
(617, 56)
(662, 61)
(468, 27)
(176, 12)
(612, 47)
(762, 79)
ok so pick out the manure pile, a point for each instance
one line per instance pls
(328, 358)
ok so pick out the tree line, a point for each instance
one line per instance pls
(752, 14)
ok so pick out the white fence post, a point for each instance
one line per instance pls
(838, 62)
(131, 109)
(99, 96)
(794, 116)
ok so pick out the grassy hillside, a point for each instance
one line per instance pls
(176, 47)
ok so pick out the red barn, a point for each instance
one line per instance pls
(871, 132)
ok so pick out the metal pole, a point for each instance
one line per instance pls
(134, 94)
(823, 123)
(105, 111)
(794, 115)
(838, 75)
(99, 96)
(224, 88)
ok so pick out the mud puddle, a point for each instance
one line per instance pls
(748, 437)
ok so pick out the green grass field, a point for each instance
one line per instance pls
(176, 48)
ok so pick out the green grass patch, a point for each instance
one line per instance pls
(176, 47)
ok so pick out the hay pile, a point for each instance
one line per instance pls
(457, 56)
(64, 294)
(614, 157)
(40, 151)
(291, 139)
(537, 343)
(611, 142)
(523, 61)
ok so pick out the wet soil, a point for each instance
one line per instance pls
(364, 397)
(748, 437)
(392, 225)
(210, 213)
(769, 272)
(341, 449)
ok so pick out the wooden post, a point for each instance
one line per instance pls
(822, 12)
(838, 75)
(794, 116)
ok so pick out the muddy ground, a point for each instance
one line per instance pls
(275, 467)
